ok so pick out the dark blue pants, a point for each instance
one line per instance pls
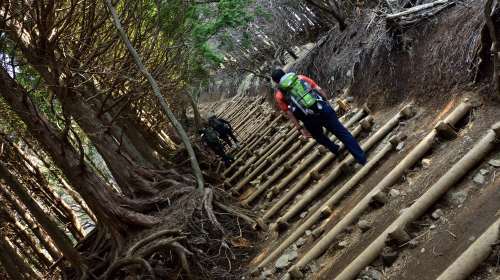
(327, 118)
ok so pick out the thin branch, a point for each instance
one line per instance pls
(156, 90)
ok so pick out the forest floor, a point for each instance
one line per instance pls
(430, 65)
(465, 212)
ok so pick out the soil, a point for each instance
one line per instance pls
(434, 65)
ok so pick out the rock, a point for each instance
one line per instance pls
(314, 267)
(343, 244)
(426, 163)
(394, 193)
(292, 255)
(400, 146)
(372, 274)
(300, 242)
(432, 227)
(364, 225)
(472, 238)
(308, 233)
(256, 182)
(494, 162)
(389, 256)
(484, 171)
(479, 179)
(282, 262)
(457, 198)
(422, 251)
(437, 214)
(303, 215)
(265, 274)
(413, 243)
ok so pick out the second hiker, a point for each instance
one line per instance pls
(302, 99)
(210, 138)
(224, 129)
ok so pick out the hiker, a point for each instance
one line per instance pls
(210, 138)
(224, 130)
(302, 99)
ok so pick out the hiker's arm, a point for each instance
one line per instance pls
(226, 122)
(322, 92)
(297, 125)
(315, 86)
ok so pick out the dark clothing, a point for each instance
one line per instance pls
(219, 151)
(323, 116)
(224, 129)
(327, 118)
(210, 138)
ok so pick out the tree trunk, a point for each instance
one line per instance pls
(196, 112)
(156, 90)
(109, 208)
(31, 242)
(32, 224)
(62, 182)
(331, 10)
(15, 266)
(25, 253)
(22, 233)
(495, 49)
(121, 156)
(60, 239)
(40, 185)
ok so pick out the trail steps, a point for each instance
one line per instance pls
(344, 221)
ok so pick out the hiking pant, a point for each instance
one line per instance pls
(218, 149)
(327, 118)
(227, 135)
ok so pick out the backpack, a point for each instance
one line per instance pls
(210, 136)
(218, 125)
(299, 92)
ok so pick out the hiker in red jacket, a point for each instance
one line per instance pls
(302, 99)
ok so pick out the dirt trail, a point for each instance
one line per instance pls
(465, 211)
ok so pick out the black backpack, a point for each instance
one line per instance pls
(210, 136)
(218, 124)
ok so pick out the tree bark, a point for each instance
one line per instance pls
(15, 266)
(64, 212)
(330, 9)
(32, 224)
(156, 90)
(60, 239)
(495, 50)
(109, 208)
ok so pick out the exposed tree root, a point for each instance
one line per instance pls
(127, 262)
(196, 236)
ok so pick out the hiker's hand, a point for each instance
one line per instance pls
(305, 133)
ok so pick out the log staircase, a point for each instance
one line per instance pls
(327, 218)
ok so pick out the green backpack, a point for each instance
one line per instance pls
(299, 91)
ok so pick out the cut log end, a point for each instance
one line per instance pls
(281, 226)
(446, 131)
(317, 232)
(408, 111)
(379, 199)
(325, 213)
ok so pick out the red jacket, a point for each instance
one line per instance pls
(280, 97)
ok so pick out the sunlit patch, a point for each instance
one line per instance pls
(445, 111)
(258, 259)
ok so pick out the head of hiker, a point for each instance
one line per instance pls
(277, 74)
(302, 99)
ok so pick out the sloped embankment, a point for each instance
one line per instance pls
(426, 205)
(384, 65)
